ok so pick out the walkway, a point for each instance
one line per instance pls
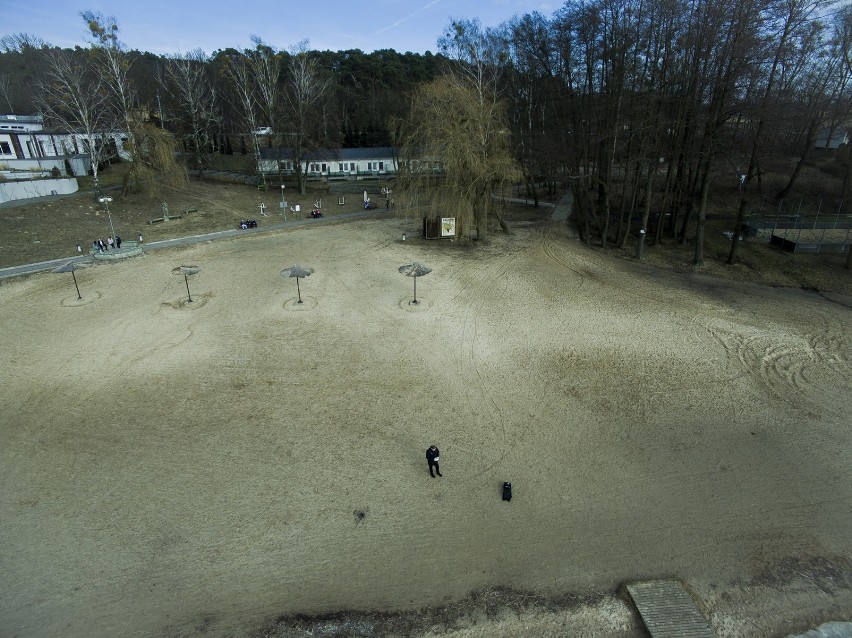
(563, 207)
(668, 610)
(561, 212)
(26, 269)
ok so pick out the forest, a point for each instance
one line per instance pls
(642, 108)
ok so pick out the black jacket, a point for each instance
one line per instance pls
(432, 454)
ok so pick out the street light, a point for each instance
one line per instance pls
(105, 201)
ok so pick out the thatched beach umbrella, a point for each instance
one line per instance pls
(298, 272)
(70, 267)
(414, 270)
(186, 271)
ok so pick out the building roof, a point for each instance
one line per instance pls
(29, 123)
(335, 154)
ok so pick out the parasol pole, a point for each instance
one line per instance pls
(79, 296)
(186, 279)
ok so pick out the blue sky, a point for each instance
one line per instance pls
(175, 26)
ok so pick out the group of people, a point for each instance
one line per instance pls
(248, 223)
(99, 245)
(316, 213)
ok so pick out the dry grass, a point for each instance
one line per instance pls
(51, 229)
(495, 612)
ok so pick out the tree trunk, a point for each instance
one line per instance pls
(502, 223)
(698, 259)
(603, 194)
(809, 142)
(643, 229)
(687, 217)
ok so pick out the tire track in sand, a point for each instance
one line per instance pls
(486, 279)
(791, 368)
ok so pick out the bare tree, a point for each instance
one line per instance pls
(792, 30)
(266, 67)
(76, 98)
(821, 99)
(5, 92)
(306, 87)
(18, 42)
(245, 95)
(187, 79)
(843, 31)
(113, 63)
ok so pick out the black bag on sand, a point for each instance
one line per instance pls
(507, 491)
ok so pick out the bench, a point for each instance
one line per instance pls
(167, 218)
(164, 219)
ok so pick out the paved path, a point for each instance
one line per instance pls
(26, 269)
(563, 208)
(561, 212)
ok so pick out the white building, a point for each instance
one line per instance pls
(26, 145)
(343, 163)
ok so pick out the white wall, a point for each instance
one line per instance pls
(37, 188)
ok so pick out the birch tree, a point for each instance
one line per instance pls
(187, 80)
(113, 64)
(305, 90)
(266, 67)
(245, 97)
(75, 97)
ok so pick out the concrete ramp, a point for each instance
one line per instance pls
(668, 610)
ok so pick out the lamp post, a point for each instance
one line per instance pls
(105, 201)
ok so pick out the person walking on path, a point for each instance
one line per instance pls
(432, 458)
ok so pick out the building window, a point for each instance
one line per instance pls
(341, 167)
(5, 148)
(352, 166)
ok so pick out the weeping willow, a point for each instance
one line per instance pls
(456, 155)
(153, 161)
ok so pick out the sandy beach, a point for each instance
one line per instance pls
(177, 469)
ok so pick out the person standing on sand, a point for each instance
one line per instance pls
(432, 458)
